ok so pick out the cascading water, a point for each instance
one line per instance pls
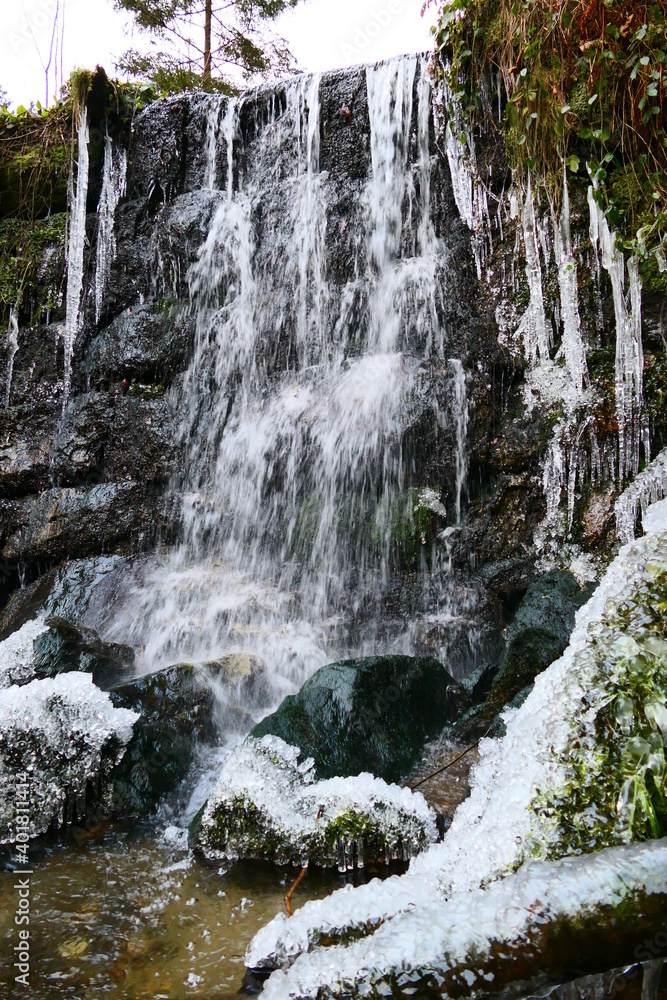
(12, 348)
(301, 392)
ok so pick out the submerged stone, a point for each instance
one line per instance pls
(372, 714)
(267, 806)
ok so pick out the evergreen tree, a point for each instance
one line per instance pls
(204, 39)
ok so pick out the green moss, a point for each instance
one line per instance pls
(582, 87)
(616, 786)
(28, 279)
(152, 391)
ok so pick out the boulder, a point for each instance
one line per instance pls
(539, 633)
(372, 714)
(267, 806)
(60, 739)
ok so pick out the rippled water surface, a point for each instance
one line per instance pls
(125, 915)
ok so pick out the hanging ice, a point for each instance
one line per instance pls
(77, 241)
(113, 189)
(533, 326)
(629, 346)
(649, 487)
(461, 416)
(573, 345)
(12, 348)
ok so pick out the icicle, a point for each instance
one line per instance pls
(12, 348)
(533, 326)
(466, 190)
(461, 418)
(629, 349)
(77, 240)
(113, 189)
(573, 345)
(553, 476)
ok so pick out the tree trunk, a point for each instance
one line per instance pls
(206, 79)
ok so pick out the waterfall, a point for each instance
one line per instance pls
(302, 390)
(113, 188)
(77, 240)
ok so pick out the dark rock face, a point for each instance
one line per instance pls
(177, 712)
(538, 635)
(540, 632)
(372, 715)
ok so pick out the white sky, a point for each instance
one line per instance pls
(323, 34)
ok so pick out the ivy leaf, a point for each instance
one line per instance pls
(573, 163)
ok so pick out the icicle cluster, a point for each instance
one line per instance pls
(629, 347)
(267, 806)
(12, 348)
(649, 487)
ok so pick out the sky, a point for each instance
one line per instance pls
(322, 34)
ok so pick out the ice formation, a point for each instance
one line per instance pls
(62, 733)
(266, 805)
(533, 326)
(16, 653)
(573, 344)
(649, 487)
(478, 941)
(510, 816)
(77, 241)
(629, 346)
(12, 348)
(113, 189)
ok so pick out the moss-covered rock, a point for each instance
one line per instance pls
(371, 714)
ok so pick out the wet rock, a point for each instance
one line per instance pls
(71, 523)
(25, 604)
(539, 633)
(64, 648)
(371, 714)
(176, 709)
(146, 343)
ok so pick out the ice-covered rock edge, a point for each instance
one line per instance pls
(496, 828)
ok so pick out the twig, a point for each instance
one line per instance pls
(451, 763)
(288, 897)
